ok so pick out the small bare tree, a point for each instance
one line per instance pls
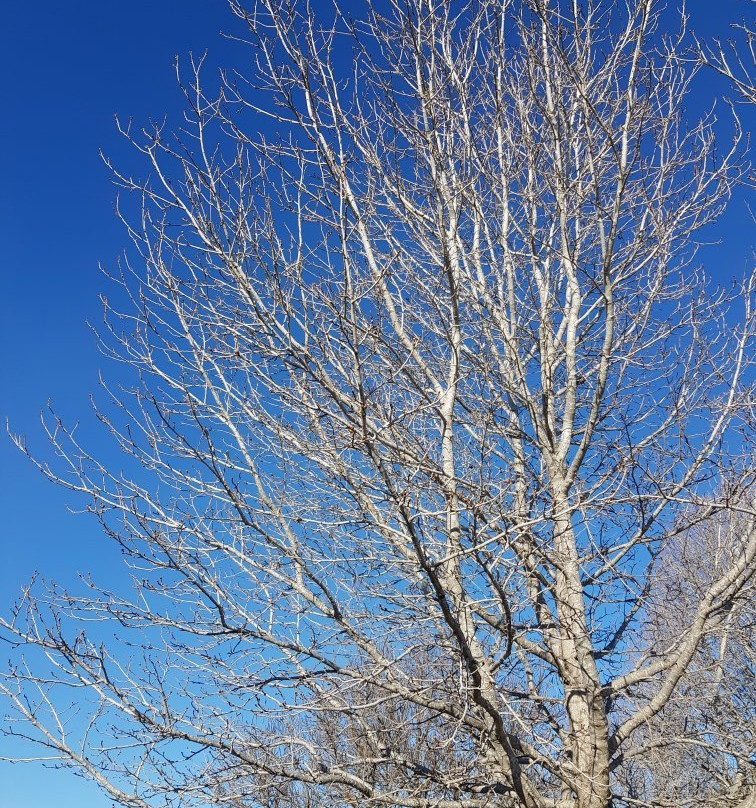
(699, 749)
(429, 391)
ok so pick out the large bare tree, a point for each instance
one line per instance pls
(430, 398)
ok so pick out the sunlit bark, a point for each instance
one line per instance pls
(427, 386)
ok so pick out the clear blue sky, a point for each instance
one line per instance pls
(65, 69)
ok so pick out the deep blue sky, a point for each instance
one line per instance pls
(65, 70)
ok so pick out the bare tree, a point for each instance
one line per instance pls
(700, 748)
(429, 385)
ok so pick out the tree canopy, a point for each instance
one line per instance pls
(437, 485)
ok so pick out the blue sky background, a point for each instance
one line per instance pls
(65, 70)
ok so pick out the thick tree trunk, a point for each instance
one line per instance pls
(573, 648)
